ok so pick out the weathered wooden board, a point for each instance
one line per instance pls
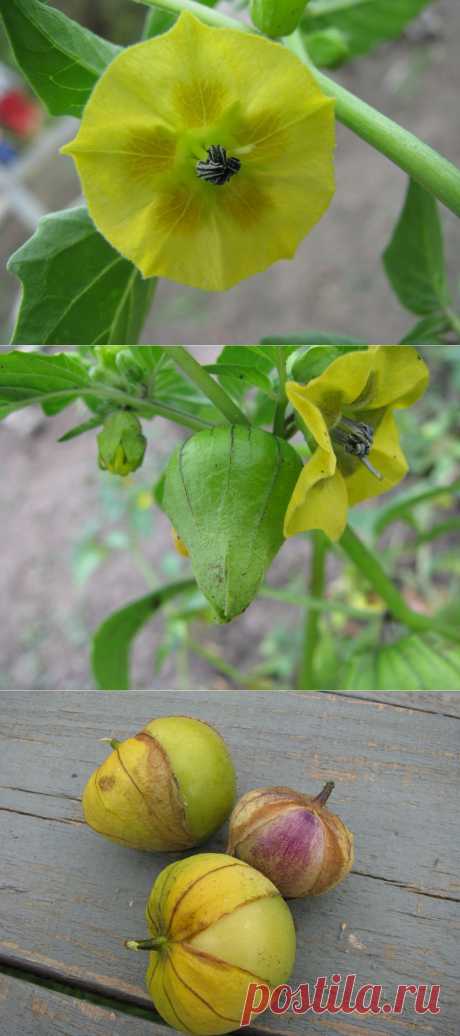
(68, 898)
(441, 702)
(396, 770)
(33, 1010)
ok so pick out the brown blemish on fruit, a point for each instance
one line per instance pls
(106, 783)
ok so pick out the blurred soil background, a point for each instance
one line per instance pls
(336, 281)
(78, 544)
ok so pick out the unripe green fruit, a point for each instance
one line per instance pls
(277, 17)
(121, 443)
(226, 492)
(168, 788)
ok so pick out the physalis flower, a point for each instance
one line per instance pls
(348, 411)
(206, 154)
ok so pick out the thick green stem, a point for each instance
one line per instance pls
(210, 388)
(306, 680)
(207, 14)
(278, 423)
(425, 165)
(370, 566)
(420, 161)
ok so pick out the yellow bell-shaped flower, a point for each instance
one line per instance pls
(206, 155)
(348, 411)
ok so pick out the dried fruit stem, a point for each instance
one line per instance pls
(146, 944)
(323, 796)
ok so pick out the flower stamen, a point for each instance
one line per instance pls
(218, 167)
(357, 438)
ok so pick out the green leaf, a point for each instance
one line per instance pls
(414, 258)
(313, 338)
(248, 377)
(60, 59)
(308, 364)
(402, 507)
(76, 287)
(417, 662)
(362, 23)
(28, 377)
(112, 642)
(428, 331)
(80, 429)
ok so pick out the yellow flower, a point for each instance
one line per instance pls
(206, 154)
(349, 412)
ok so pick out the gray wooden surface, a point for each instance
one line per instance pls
(68, 898)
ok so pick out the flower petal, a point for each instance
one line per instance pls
(402, 375)
(153, 114)
(319, 500)
(386, 455)
(298, 395)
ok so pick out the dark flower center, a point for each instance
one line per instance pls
(357, 438)
(218, 167)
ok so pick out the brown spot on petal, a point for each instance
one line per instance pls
(106, 783)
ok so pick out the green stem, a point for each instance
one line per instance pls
(278, 422)
(210, 388)
(217, 663)
(207, 14)
(453, 319)
(153, 408)
(318, 604)
(420, 161)
(425, 165)
(306, 680)
(366, 561)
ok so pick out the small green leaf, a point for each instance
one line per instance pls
(80, 429)
(313, 338)
(113, 640)
(60, 59)
(248, 377)
(414, 258)
(417, 662)
(26, 378)
(362, 23)
(428, 331)
(76, 287)
(327, 48)
(402, 506)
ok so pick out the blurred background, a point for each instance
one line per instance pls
(336, 282)
(78, 543)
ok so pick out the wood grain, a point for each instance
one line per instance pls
(33, 1010)
(68, 898)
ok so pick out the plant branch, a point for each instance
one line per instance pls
(206, 384)
(207, 14)
(278, 422)
(306, 679)
(151, 409)
(420, 161)
(370, 566)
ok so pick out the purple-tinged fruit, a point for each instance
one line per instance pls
(293, 839)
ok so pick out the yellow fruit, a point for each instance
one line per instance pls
(168, 788)
(217, 925)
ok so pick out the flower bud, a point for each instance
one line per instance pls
(277, 17)
(216, 925)
(121, 443)
(226, 492)
(168, 788)
(293, 839)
